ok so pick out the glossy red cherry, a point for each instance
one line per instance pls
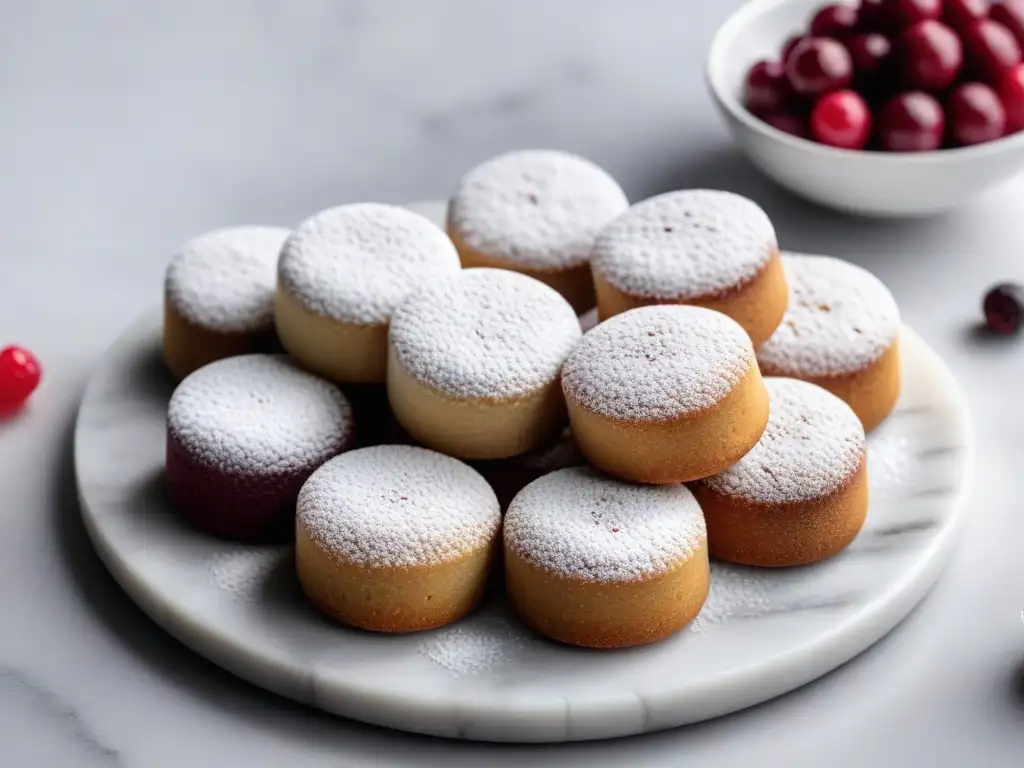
(991, 50)
(789, 45)
(870, 54)
(975, 114)
(1004, 308)
(841, 119)
(1010, 13)
(20, 373)
(838, 21)
(931, 55)
(960, 14)
(788, 123)
(911, 122)
(817, 65)
(1011, 93)
(766, 89)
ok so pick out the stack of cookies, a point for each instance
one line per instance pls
(420, 407)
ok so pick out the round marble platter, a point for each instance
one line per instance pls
(761, 633)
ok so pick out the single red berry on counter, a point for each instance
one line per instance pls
(837, 21)
(841, 119)
(1010, 13)
(975, 115)
(20, 373)
(817, 65)
(1004, 308)
(1011, 93)
(960, 14)
(911, 122)
(931, 55)
(991, 50)
(788, 123)
(767, 89)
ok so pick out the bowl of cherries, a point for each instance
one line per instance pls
(886, 108)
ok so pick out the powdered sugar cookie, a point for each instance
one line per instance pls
(841, 331)
(702, 247)
(800, 494)
(243, 434)
(341, 276)
(596, 562)
(219, 296)
(474, 363)
(395, 538)
(535, 212)
(665, 394)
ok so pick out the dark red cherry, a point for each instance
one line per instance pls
(837, 21)
(766, 89)
(931, 55)
(975, 115)
(789, 123)
(911, 122)
(1011, 93)
(789, 45)
(960, 14)
(841, 119)
(817, 65)
(894, 15)
(1004, 308)
(1010, 13)
(990, 51)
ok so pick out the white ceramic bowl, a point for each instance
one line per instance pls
(877, 184)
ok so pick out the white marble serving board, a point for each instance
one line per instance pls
(762, 633)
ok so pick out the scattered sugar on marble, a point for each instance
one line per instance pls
(474, 646)
(658, 362)
(223, 281)
(735, 591)
(539, 209)
(486, 334)
(812, 445)
(577, 522)
(840, 319)
(242, 573)
(684, 245)
(397, 505)
(259, 414)
(889, 460)
(357, 263)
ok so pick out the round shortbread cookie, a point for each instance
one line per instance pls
(475, 360)
(665, 394)
(597, 562)
(341, 276)
(704, 247)
(396, 538)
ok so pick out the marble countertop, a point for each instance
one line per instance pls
(129, 127)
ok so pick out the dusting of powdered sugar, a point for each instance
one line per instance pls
(538, 209)
(259, 415)
(481, 644)
(840, 319)
(357, 263)
(736, 591)
(485, 333)
(243, 573)
(223, 281)
(812, 445)
(658, 362)
(685, 245)
(398, 505)
(582, 524)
